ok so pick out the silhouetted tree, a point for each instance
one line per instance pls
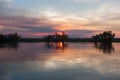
(105, 37)
(48, 38)
(10, 38)
(2, 38)
(105, 41)
(56, 37)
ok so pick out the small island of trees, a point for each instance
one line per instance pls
(57, 37)
(105, 37)
(9, 38)
(103, 41)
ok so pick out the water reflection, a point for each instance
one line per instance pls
(57, 45)
(79, 61)
(105, 47)
(11, 46)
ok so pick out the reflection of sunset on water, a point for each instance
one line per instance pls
(60, 44)
(76, 57)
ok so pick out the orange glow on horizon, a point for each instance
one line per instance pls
(62, 28)
(60, 33)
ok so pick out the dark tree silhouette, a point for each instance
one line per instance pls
(2, 38)
(105, 37)
(48, 38)
(57, 37)
(10, 38)
(105, 41)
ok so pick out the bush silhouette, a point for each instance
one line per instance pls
(10, 38)
(57, 37)
(105, 37)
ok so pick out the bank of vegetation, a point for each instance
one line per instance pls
(104, 37)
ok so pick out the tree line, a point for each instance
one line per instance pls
(103, 41)
(57, 37)
(105, 37)
(9, 38)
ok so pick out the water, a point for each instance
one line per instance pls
(69, 61)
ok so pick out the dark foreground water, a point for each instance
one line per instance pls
(69, 61)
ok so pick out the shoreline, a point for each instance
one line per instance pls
(69, 40)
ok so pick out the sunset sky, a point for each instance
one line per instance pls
(78, 18)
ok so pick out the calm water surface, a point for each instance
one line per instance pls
(69, 61)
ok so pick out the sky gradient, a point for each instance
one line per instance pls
(78, 18)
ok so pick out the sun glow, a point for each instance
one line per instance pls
(60, 33)
(60, 44)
